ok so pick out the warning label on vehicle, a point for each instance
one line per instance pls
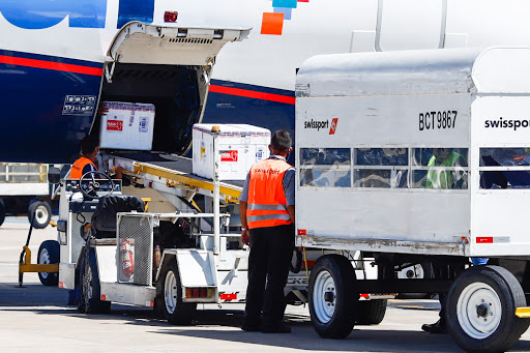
(79, 105)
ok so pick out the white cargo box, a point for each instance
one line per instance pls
(127, 126)
(417, 152)
(240, 146)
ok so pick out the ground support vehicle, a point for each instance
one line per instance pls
(418, 158)
(168, 260)
(24, 189)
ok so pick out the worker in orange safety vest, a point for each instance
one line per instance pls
(87, 162)
(267, 218)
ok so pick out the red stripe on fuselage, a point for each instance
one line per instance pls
(50, 65)
(252, 94)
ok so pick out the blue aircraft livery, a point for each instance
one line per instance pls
(38, 14)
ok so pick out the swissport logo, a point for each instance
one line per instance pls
(229, 156)
(333, 126)
(114, 125)
(323, 124)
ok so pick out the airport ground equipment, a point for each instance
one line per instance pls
(170, 260)
(185, 250)
(47, 266)
(418, 158)
(24, 189)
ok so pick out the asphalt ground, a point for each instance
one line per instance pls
(36, 319)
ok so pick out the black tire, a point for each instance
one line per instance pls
(48, 254)
(91, 302)
(2, 212)
(43, 214)
(427, 273)
(175, 312)
(481, 282)
(341, 296)
(371, 312)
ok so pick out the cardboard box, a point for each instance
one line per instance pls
(240, 146)
(127, 126)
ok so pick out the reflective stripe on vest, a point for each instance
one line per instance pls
(266, 202)
(78, 166)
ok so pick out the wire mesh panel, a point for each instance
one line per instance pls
(135, 241)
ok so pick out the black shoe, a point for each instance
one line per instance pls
(439, 327)
(281, 328)
(251, 327)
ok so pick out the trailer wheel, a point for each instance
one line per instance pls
(481, 309)
(2, 212)
(91, 302)
(43, 214)
(169, 296)
(48, 254)
(333, 298)
(371, 312)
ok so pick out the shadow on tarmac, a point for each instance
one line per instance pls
(224, 325)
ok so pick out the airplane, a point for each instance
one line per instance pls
(57, 63)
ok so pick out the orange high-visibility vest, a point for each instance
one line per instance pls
(78, 166)
(266, 203)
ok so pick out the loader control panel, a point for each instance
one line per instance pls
(72, 185)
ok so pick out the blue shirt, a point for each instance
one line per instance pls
(288, 184)
(89, 168)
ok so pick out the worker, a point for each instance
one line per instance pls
(437, 179)
(87, 162)
(267, 218)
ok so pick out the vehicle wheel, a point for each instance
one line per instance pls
(48, 254)
(2, 212)
(169, 296)
(333, 297)
(481, 309)
(371, 312)
(43, 214)
(91, 302)
(418, 271)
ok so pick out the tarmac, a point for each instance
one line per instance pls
(36, 319)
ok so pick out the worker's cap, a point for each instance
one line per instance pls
(281, 140)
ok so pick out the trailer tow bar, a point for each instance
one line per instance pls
(25, 265)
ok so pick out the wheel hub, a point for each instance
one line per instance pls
(479, 310)
(483, 310)
(325, 297)
(170, 292)
(329, 297)
(44, 258)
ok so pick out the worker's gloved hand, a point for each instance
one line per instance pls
(245, 237)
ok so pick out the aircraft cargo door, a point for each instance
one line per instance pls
(168, 67)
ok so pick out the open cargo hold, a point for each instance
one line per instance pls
(168, 67)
